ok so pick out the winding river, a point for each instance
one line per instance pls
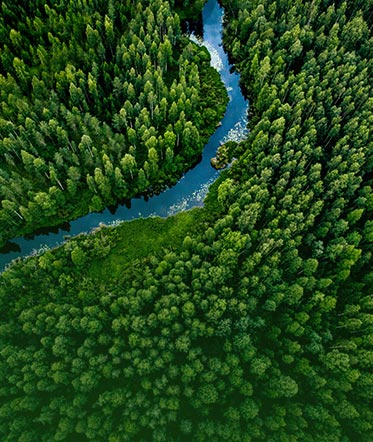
(191, 189)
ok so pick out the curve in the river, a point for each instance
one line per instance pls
(192, 188)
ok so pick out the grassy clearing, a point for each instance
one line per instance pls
(141, 238)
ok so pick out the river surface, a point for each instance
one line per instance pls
(191, 189)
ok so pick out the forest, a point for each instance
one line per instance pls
(250, 319)
(100, 101)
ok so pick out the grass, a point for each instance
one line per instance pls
(141, 238)
(137, 240)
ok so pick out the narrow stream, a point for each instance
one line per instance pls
(191, 189)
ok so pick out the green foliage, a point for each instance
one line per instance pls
(139, 239)
(256, 324)
(93, 95)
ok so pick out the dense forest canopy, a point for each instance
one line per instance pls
(100, 101)
(256, 323)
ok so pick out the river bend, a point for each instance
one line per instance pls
(191, 189)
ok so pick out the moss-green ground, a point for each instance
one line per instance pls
(137, 239)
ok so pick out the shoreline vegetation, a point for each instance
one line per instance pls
(224, 155)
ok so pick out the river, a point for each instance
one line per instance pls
(191, 189)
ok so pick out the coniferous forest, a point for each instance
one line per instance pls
(100, 101)
(250, 319)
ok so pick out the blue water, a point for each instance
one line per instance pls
(192, 188)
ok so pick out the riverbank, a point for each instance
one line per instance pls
(191, 188)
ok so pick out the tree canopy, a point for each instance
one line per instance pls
(100, 101)
(256, 324)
